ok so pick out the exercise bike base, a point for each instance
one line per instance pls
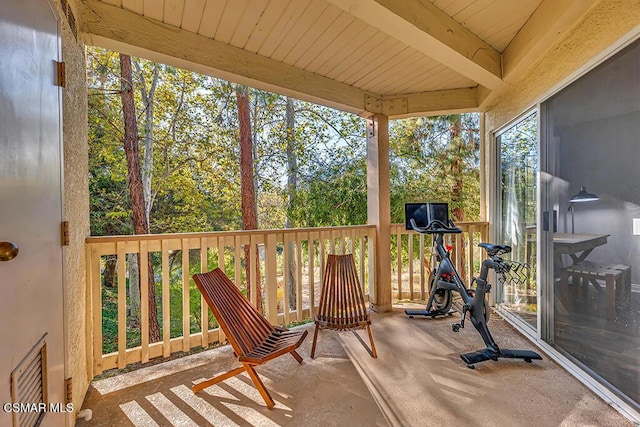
(487, 354)
(428, 313)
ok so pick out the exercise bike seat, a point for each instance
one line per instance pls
(493, 250)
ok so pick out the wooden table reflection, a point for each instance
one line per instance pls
(577, 246)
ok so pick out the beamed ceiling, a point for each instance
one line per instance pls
(396, 57)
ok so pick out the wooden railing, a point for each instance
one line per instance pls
(291, 258)
(413, 256)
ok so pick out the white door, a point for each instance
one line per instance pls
(31, 313)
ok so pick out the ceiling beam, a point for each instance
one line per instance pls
(548, 24)
(434, 103)
(123, 31)
(429, 30)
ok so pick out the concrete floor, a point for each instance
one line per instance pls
(418, 379)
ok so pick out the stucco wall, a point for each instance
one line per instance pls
(604, 26)
(76, 201)
(609, 21)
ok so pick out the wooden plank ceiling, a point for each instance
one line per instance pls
(396, 57)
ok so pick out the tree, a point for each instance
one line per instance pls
(436, 159)
(148, 97)
(292, 188)
(136, 192)
(247, 188)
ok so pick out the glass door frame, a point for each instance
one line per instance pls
(547, 224)
(496, 233)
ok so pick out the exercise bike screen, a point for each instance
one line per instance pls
(424, 213)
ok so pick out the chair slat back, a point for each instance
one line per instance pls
(341, 300)
(243, 324)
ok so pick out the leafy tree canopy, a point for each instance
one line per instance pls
(196, 182)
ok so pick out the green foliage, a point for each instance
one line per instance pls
(424, 152)
(196, 166)
(196, 183)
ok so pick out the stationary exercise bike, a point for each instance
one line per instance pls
(433, 218)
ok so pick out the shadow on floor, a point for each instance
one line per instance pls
(418, 379)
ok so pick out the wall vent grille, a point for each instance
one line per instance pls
(29, 386)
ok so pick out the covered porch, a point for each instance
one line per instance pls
(418, 379)
(382, 60)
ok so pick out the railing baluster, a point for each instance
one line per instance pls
(371, 253)
(271, 277)
(238, 260)
(166, 305)
(253, 273)
(399, 263)
(286, 278)
(204, 309)
(321, 254)
(144, 300)
(312, 276)
(96, 296)
(122, 305)
(422, 269)
(361, 248)
(186, 309)
(352, 243)
(470, 253)
(221, 254)
(410, 255)
(457, 250)
(90, 308)
(299, 287)
(218, 243)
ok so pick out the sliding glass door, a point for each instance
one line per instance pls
(517, 148)
(591, 197)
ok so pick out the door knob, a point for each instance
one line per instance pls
(8, 251)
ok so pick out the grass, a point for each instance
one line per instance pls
(134, 338)
(110, 326)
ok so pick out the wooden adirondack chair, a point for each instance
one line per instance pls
(254, 340)
(342, 306)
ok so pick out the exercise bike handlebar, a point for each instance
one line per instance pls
(436, 227)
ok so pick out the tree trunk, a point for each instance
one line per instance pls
(132, 152)
(148, 97)
(247, 187)
(134, 290)
(109, 277)
(292, 186)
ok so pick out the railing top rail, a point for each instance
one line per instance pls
(138, 237)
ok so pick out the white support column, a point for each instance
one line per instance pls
(379, 206)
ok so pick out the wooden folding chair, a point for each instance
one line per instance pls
(342, 306)
(254, 340)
